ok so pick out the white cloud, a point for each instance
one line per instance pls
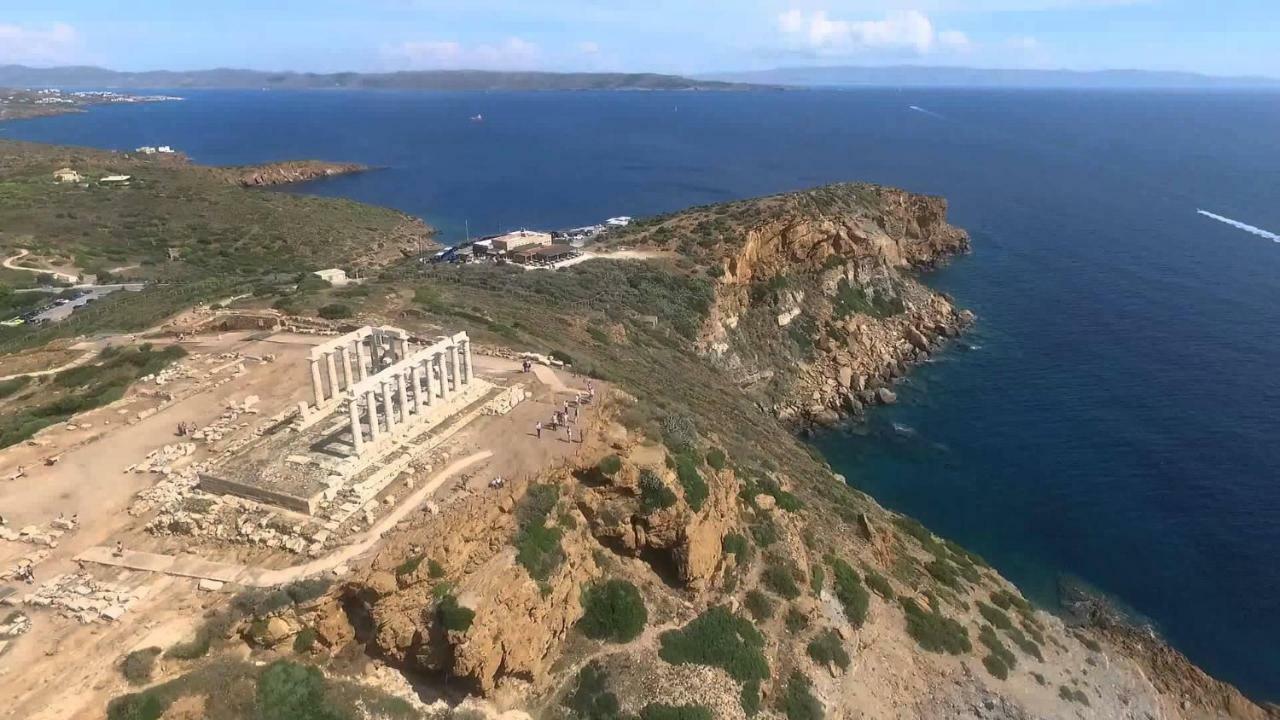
(955, 41)
(589, 47)
(1024, 42)
(55, 45)
(511, 54)
(906, 31)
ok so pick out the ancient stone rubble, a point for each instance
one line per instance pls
(82, 598)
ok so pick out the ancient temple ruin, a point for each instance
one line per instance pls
(374, 391)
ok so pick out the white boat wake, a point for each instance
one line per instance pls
(930, 113)
(1242, 226)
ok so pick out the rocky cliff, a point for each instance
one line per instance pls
(817, 307)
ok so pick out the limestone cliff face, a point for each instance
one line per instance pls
(817, 310)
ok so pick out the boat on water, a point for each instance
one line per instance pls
(477, 118)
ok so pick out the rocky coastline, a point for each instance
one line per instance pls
(288, 172)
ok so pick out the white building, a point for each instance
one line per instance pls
(116, 179)
(620, 221)
(67, 175)
(336, 277)
(520, 238)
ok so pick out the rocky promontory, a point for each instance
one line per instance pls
(817, 309)
(285, 173)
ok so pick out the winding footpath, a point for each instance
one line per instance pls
(11, 264)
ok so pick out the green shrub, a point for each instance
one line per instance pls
(828, 648)
(654, 494)
(304, 591)
(139, 665)
(609, 465)
(454, 617)
(9, 387)
(1000, 661)
(716, 459)
(410, 565)
(304, 640)
(765, 533)
(289, 691)
(562, 356)
(435, 570)
(933, 631)
(1072, 695)
(879, 584)
(735, 545)
(1089, 642)
(849, 591)
(310, 282)
(139, 706)
(334, 311)
(197, 647)
(818, 580)
(720, 639)
(995, 616)
(797, 701)
(679, 433)
(614, 611)
(1025, 644)
(780, 577)
(944, 572)
(796, 621)
(695, 488)
(590, 698)
(538, 546)
(759, 605)
(659, 711)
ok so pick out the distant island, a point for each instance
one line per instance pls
(936, 76)
(227, 78)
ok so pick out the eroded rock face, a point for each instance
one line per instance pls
(693, 540)
(864, 318)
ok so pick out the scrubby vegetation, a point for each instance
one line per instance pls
(999, 661)
(84, 388)
(758, 604)
(654, 493)
(849, 591)
(782, 577)
(1073, 695)
(454, 617)
(659, 711)
(614, 611)
(720, 639)
(283, 690)
(537, 544)
(695, 487)
(878, 583)
(139, 665)
(933, 631)
(590, 699)
(797, 701)
(827, 648)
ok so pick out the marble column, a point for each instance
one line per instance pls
(415, 378)
(362, 360)
(317, 389)
(454, 382)
(357, 434)
(331, 371)
(438, 359)
(402, 398)
(388, 407)
(466, 360)
(347, 373)
(371, 404)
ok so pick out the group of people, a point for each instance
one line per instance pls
(565, 417)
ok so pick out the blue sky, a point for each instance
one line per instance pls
(681, 36)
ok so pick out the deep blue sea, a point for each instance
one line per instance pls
(1118, 416)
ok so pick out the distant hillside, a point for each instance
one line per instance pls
(932, 76)
(95, 77)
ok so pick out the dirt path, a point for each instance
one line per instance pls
(11, 263)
